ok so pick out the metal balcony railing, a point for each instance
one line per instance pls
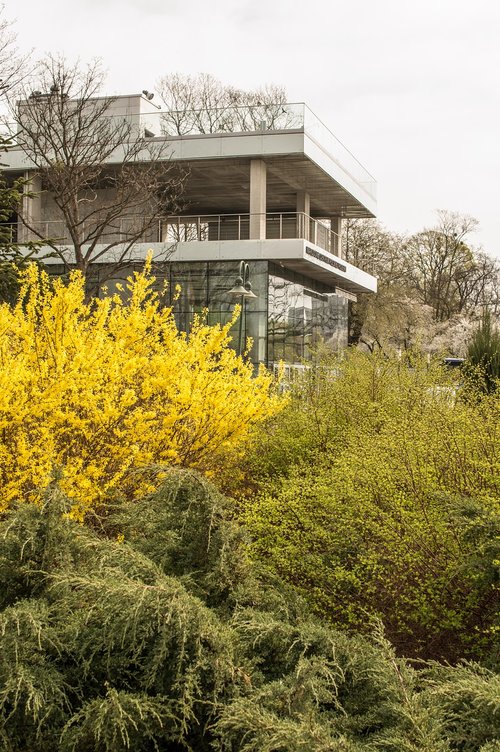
(279, 226)
(195, 228)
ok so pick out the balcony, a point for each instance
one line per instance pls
(279, 226)
(188, 228)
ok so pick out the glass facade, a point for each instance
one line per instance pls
(287, 320)
(205, 285)
(302, 312)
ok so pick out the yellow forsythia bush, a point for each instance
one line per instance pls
(96, 391)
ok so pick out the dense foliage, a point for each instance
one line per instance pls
(164, 637)
(376, 493)
(97, 391)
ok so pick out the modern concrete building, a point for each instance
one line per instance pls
(269, 189)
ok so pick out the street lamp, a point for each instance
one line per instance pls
(242, 290)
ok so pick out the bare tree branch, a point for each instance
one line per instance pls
(13, 66)
(202, 104)
(109, 184)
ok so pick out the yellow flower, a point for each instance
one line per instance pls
(103, 390)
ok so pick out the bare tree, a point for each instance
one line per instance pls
(393, 314)
(13, 255)
(108, 183)
(477, 284)
(13, 65)
(446, 271)
(203, 104)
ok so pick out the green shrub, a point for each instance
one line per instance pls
(376, 492)
(164, 637)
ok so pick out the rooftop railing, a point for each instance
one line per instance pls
(187, 228)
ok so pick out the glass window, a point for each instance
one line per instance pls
(207, 285)
(302, 313)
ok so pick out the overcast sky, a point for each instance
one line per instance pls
(411, 88)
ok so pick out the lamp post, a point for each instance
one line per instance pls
(242, 290)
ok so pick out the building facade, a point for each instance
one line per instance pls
(268, 190)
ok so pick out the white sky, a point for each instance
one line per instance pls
(411, 87)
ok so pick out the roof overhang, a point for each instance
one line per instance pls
(219, 172)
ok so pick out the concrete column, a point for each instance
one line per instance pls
(336, 227)
(257, 199)
(303, 208)
(31, 207)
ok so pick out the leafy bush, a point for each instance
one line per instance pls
(97, 391)
(376, 491)
(104, 648)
